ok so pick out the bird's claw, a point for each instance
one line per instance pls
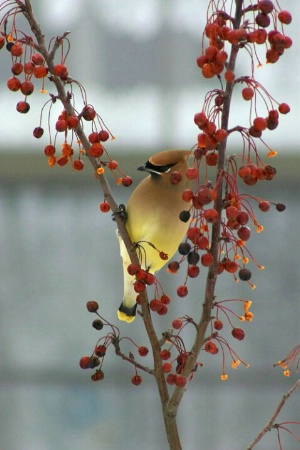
(121, 213)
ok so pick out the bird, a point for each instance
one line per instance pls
(153, 222)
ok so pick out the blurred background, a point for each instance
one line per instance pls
(136, 61)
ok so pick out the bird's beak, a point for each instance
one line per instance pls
(142, 168)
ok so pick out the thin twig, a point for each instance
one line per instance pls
(271, 424)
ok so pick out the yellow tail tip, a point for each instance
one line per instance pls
(125, 317)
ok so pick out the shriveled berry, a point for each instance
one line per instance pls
(98, 375)
(280, 207)
(97, 324)
(185, 216)
(100, 351)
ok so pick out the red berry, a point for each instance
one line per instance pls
(96, 150)
(262, 20)
(167, 367)
(265, 6)
(175, 177)
(203, 243)
(84, 362)
(72, 122)
(207, 259)
(13, 84)
(163, 310)
(171, 378)
(192, 173)
(132, 269)
(193, 271)
(61, 71)
(143, 351)
(232, 212)
(211, 215)
(136, 380)
(231, 266)
(38, 132)
(78, 164)
(180, 380)
(113, 165)
(264, 205)
(103, 135)
(92, 306)
(17, 68)
(284, 108)
(37, 59)
(177, 324)
(88, 113)
(173, 267)
(40, 72)
(242, 218)
(104, 207)
(23, 107)
(212, 159)
(165, 354)
(285, 17)
(165, 299)
(27, 88)
(2, 42)
(238, 333)
(63, 160)
(49, 150)
(29, 68)
(100, 351)
(218, 324)
(61, 125)
(155, 304)
(200, 119)
(244, 233)
(182, 291)
(17, 50)
(247, 93)
(127, 181)
(94, 137)
(139, 286)
(210, 347)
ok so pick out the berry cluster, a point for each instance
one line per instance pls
(31, 63)
(220, 30)
(112, 338)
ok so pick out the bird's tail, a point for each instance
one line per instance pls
(127, 309)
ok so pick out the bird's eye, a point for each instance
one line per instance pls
(158, 169)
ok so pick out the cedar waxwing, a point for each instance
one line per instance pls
(153, 217)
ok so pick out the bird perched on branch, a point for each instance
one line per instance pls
(153, 221)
